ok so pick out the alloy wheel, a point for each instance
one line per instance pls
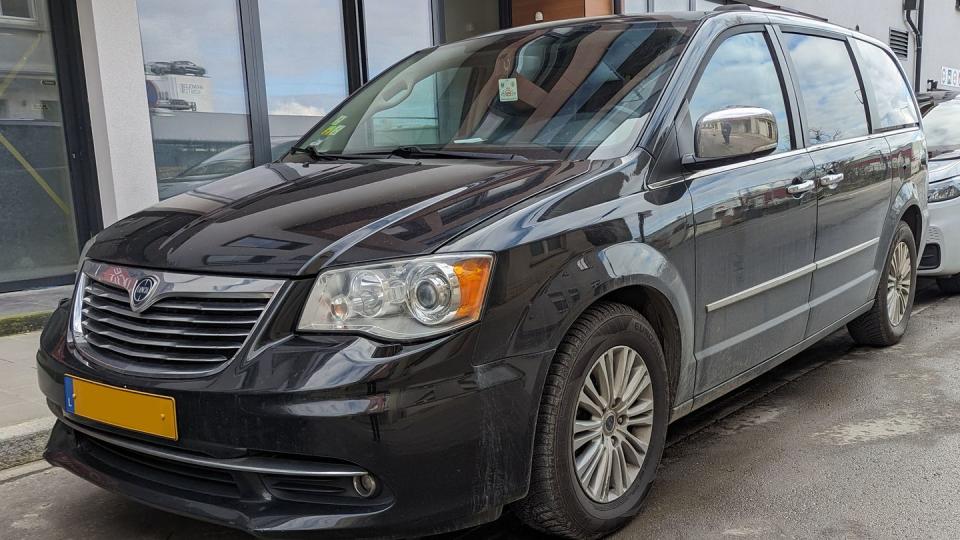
(613, 424)
(899, 283)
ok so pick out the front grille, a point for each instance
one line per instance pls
(193, 330)
(193, 325)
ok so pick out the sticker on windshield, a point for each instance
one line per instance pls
(330, 131)
(508, 90)
(334, 127)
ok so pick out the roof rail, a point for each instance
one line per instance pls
(732, 7)
(750, 5)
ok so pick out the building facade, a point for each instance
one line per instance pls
(108, 106)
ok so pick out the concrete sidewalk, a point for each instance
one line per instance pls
(26, 311)
(25, 420)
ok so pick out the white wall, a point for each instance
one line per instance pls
(941, 39)
(941, 32)
(119, 118)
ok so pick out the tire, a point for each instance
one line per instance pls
(877, 328)
(949, 285)
(557, 502)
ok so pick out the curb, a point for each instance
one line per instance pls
(24, 442)
(23, 323)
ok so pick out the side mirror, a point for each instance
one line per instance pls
(729, 134)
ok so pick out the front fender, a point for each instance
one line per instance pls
(593, 275)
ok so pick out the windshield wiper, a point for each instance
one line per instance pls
(319, 156)
(410, 152)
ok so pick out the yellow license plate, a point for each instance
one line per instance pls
(122, 408)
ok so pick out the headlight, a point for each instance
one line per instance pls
(405, 299)
(944, 190)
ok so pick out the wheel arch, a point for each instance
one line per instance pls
(660, 313)
(913, 217)
(634, 274)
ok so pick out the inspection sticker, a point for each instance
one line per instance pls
(508, 90)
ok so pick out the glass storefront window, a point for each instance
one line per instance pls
(634, 6)
(385, 45)
(37, 218)
(195, 90)
(467, 18)
(671, 5)
(303, 83)
(707, 5)
(22, 9)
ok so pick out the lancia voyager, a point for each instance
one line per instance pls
(492, 277)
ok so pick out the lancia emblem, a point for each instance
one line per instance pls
(142, 291)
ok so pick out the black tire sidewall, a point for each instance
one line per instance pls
(903, 234)
(626, 330)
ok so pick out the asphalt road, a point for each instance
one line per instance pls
(839, 442)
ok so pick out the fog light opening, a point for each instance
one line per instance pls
(365, 486)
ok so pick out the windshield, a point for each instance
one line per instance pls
(941, 125)
(547, 93)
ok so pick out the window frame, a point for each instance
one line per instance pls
(780, 30)
(685, 128)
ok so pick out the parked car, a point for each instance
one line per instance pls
(226, 163)
(941, 123)
(176, 104)
(618, 221)
(186, 67)
(159, 68)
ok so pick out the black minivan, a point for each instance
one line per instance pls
(493, 276)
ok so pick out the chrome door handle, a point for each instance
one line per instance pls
(802, 187)
(831, 180)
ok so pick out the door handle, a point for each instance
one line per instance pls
(831, 180)
(801, 187)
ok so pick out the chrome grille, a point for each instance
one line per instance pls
(184, 329)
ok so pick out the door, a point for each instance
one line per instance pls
(854, 182)
(49, 202)
(754, 239)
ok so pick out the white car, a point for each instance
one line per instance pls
(941, 122)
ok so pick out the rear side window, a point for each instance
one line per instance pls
(892, 98)
(829, 87)
(741, 73)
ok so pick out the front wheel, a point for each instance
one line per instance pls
(887, 321)
(602, 426)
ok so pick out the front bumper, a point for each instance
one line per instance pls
(449, 443)
(941, 256)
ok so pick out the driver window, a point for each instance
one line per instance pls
(741, 73)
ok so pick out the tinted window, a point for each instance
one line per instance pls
(742, 73)
(892, 97)
(829, 87)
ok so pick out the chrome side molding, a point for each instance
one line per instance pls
(787, 278)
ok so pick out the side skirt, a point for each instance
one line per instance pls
(722, 389)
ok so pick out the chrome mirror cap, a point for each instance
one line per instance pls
(735, 132)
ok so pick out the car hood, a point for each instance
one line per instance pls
(941, 169)
(292, 219)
